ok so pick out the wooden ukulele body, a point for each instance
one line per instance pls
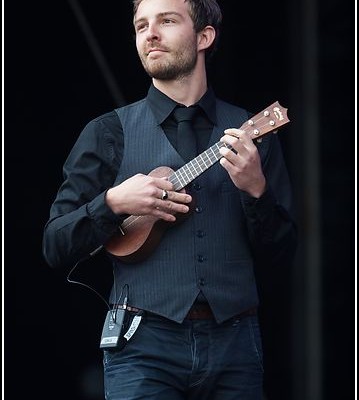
(140, 234)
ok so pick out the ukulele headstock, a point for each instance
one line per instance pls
(268, 120)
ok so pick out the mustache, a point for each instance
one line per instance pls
(155, 46)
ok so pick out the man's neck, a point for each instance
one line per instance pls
(187, 90)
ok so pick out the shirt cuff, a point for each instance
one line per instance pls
(258, 208)
(103, 216)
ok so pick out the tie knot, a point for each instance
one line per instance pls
(184, 113)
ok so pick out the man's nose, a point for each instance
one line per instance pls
(152, 32)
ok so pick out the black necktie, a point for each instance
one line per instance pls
(186, 137)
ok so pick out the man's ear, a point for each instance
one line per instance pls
(206, 37)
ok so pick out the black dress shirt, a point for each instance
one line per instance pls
(162, 107)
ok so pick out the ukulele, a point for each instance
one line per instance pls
(138, 235)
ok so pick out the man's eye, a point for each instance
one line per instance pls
(140, 27)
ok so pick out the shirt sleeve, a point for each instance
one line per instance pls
(271, 218)
(80, 220)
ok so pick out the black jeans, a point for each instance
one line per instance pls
(195, 360)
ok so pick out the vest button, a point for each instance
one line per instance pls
(200, 234)
(197, 186)
(198, 209)
(200, 258)
(201, 282)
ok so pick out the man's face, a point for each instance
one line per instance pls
(165, 38)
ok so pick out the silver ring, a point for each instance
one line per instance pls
(164, 194)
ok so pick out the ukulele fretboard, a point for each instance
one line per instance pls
(186, 174)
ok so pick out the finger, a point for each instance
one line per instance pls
(241, 145)
(163, 183)
(228, 154)
(240, 134)
(178, 197)
(160, 213)
(166, 209)
(234, 132)
(232, 141)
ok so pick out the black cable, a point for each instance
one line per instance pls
(84, 284)
(117, 303)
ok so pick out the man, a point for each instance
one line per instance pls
(189, 292)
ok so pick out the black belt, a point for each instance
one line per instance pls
(200, 311)
(204, 311)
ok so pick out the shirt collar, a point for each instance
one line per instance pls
(162, 106)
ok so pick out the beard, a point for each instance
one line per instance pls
(176, 65)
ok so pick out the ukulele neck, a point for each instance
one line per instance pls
(190, 171)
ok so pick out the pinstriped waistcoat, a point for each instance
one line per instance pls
(209, 250)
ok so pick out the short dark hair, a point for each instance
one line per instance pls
(202, 13)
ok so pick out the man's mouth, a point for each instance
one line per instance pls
(155, 50)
